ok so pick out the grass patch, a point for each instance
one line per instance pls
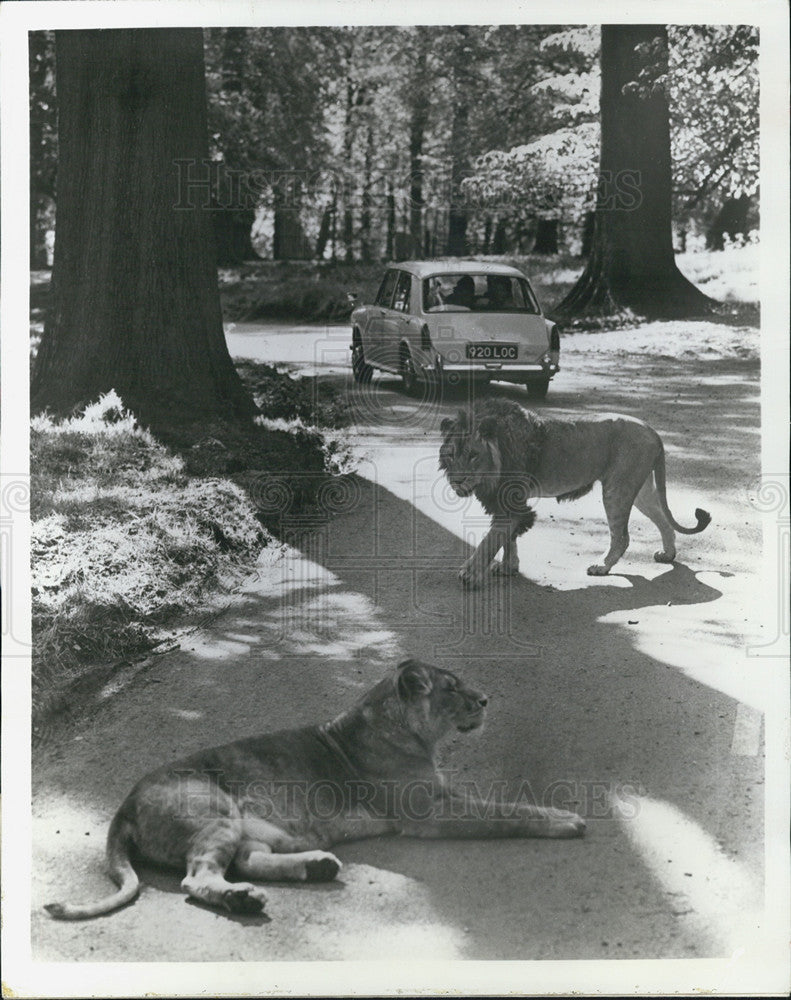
(134, 537)
(311, 291)
(125, 543)
(279, 396)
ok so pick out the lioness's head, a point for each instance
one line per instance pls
(436, 702)
(469, 455)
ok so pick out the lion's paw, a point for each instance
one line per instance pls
(470, 578)
(505, 569)
(664, 557)
(321, 867)
(244, 898)
(597, 570)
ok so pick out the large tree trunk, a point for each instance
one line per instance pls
(135, 305)
(632, 264)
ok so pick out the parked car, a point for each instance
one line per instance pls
(433, 320)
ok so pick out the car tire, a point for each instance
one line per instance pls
(409, 377)
(537, 388)
(361, 370)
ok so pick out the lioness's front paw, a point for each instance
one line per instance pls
(505, 569)
(664, 557)
(244, 898)
(321, 866)
(597, 570)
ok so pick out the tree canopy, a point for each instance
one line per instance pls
(361, 142)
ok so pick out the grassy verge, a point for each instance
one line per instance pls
(135, 539)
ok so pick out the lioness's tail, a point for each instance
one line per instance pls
(701, 516)
(120, 871)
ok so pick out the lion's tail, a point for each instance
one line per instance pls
(701, 516)
(121, 872)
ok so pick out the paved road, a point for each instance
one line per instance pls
(629, 696)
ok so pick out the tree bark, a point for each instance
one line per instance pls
(632, 266)
(135, 305)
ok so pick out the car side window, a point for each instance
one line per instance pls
(403, 288)
(385, 294)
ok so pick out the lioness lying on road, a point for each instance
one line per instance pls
(270, 806)
(507, 456)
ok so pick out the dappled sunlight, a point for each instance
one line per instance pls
(707, 648)
(676, 627)
(295, 607)
(279, 571)
(186, 713)
(217, 648)
(715, 896)
(392, 918)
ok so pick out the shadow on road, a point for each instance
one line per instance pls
(576, 709)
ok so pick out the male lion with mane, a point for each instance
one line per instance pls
(507, 456)
(268, 807)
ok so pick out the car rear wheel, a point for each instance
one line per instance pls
(361, 370)
(537, 388)
(408, 374)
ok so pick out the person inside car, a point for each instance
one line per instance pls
(499, 292)
(463, 293)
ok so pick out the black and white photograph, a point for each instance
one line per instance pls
(395, 498)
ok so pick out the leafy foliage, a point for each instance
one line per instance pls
(714, 112)
(331, 125)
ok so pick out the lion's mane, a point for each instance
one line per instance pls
(519, 436)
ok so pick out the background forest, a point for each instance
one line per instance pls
(370, 143)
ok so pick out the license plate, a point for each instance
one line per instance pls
(492, 352)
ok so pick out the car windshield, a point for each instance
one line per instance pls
(478, 293)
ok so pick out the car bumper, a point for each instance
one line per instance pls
(492, 369)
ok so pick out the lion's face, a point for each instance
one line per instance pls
(467, 457)
(438, 702)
